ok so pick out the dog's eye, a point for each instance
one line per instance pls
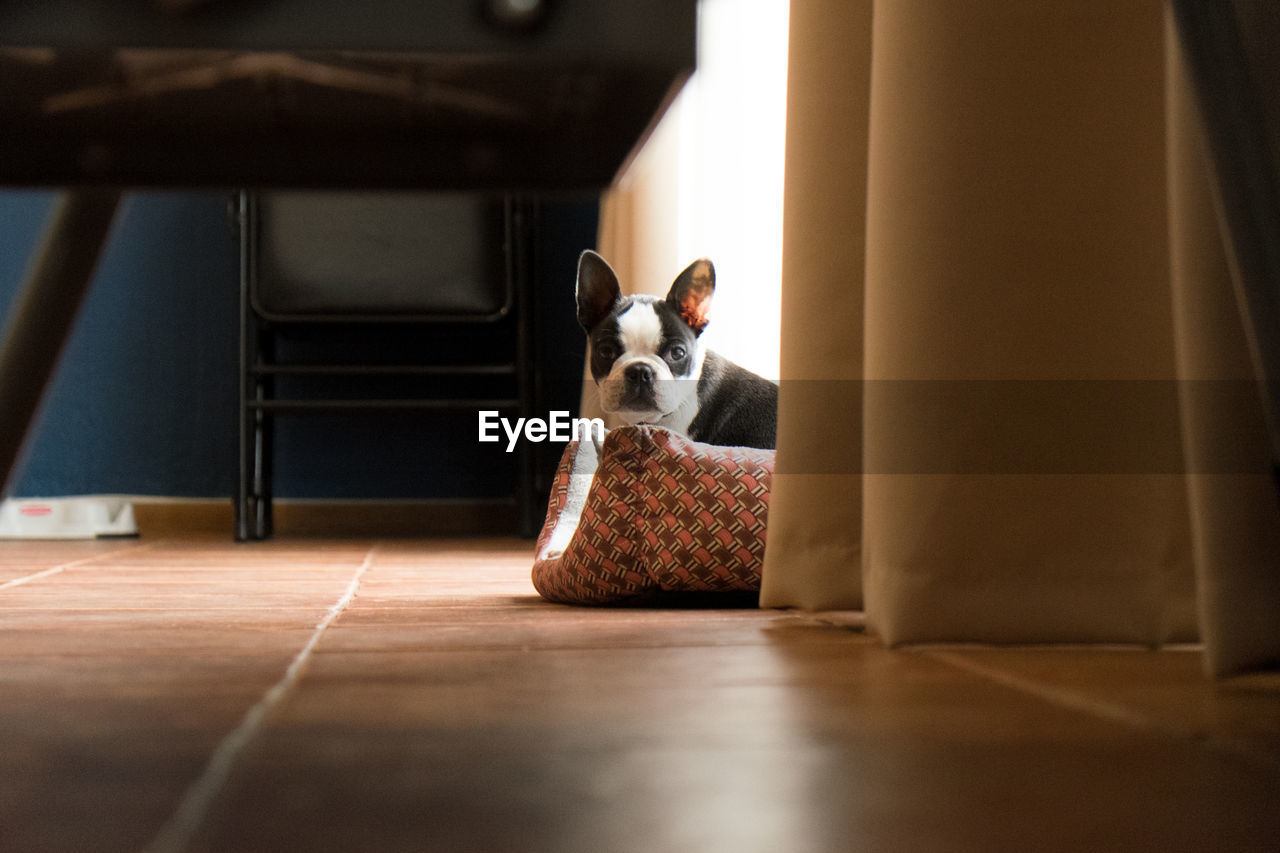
(606, 350)
(677, 352)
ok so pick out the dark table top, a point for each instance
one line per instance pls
(448, 94)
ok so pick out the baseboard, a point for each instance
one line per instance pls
(319, 518)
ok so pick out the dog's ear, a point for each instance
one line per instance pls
(598, 289)
(690, 294)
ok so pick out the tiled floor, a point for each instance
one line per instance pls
(307, 695)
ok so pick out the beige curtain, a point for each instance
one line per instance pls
(996, 216)
(813, 558)
(1029, 199)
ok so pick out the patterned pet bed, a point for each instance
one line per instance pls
(652, 511)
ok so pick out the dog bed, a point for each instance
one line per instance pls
(648, 511)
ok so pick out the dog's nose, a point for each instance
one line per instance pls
(640, 374)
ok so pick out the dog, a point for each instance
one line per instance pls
(651, 367)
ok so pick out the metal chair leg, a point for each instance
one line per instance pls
(253, 489)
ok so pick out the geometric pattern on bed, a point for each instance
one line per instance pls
(662, 513)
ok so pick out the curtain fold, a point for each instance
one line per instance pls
(1235, 513)
(1017, 264)
(813, 558)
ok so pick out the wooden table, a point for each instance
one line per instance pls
(99, 96)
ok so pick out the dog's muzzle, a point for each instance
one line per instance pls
(638, 391)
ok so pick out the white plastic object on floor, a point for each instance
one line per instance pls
(66, 518)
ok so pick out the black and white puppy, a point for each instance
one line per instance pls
(650, 366)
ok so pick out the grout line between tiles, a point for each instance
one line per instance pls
(177, 833)
(1102, 709)
(71, 565)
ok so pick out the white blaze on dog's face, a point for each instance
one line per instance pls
(645, 352)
